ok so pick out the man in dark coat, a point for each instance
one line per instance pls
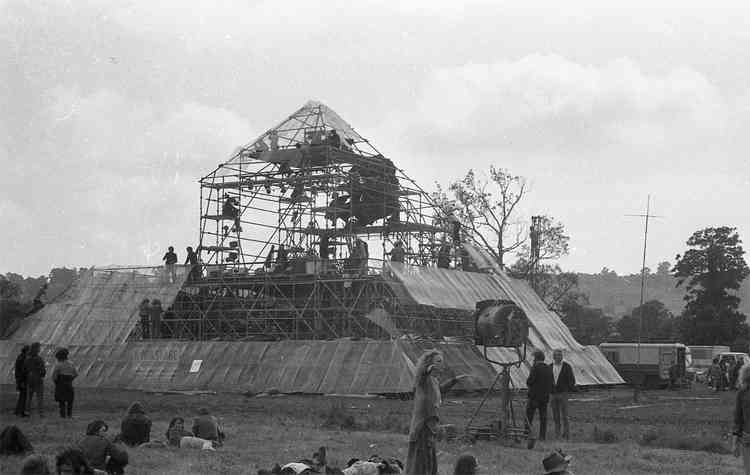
(20, 374)
(35, 370)
(564, 383)
(539, 383)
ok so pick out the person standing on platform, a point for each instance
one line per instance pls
(20, 376)
(35, 370)
(565, 382)
(192, 260)
(170, 259)
(398, 253)
(156, 312)
(539, 385)
(144, 312)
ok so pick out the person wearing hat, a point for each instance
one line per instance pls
(170, 259)
(557, 463)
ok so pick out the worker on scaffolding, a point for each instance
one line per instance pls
(192, 260)
(269, 259)
(444, 256)
(282, 259)
(360, 256)
(231, 209)
(156, 312)
(333, 139)
(144, 313)
(398, 253)
(170, 259)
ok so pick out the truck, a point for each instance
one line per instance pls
(649, 364)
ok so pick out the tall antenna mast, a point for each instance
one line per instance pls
(646, 218)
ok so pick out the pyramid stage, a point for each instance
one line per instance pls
(296, 289)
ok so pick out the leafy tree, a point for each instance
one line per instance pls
(486, 207)
(663, 269)
(658, 323)
(551, 283)
(589, 325)
(11, 308)
(712, 267)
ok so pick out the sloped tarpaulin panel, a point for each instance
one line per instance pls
(444, 288)
(100, 308)
(459, 359)
(313, 367)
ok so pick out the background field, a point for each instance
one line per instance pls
(610, 434)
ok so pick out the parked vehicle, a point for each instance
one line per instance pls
(703, 357)
(650, 364)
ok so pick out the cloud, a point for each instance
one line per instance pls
(128, 183)
(548, 102)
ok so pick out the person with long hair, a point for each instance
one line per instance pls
(63, 375)
(741, 441)
(421, 458)
(136, 426)
(177, 431)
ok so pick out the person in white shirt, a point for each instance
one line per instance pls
(564, 383)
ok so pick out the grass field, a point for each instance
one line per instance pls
(610, 434)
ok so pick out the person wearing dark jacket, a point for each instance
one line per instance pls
(136, 427)
(741, 431)
(63, 375)
(564, 383)
(100, 452)
(20, 374)
(35, 371)
(539, 383)
(206, 426)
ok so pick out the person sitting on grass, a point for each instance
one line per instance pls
(466, 464)
(72, 461)
(177, 431)
(206, 426)
(136, 427)
(557, 463)
(100, 452)
(35, 464)
(14, 442)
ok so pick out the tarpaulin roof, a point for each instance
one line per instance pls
(316, 367)
(444, 288)
(101, 307)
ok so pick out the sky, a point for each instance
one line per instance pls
(112, 111)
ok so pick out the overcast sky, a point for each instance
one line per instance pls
(111, 111)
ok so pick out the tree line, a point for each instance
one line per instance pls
(710, 271)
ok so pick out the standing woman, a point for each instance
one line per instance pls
(63, 375)
(421, 458)
(741, 441)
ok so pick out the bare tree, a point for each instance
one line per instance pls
(486, 207)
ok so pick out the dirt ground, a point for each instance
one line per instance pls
(610, 433)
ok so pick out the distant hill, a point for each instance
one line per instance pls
(618, 295)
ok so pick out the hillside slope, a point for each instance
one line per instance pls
(618, 295)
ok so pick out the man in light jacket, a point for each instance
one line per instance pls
(565, 382)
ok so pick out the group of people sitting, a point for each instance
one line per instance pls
(96, 453)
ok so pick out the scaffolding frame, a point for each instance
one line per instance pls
(280, 225)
